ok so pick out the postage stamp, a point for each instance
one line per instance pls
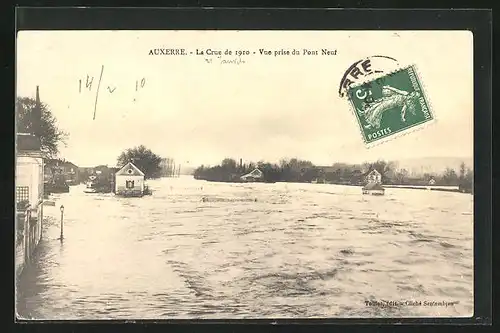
(391, 104)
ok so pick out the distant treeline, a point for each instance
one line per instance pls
(296, 170)
(229, 170)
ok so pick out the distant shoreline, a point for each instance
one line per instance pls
(426, 188)
(453, 188)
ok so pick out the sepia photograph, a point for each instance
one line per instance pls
(189, 174)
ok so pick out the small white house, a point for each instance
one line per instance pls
(374, 177)
(255, 175)
(129, 181)
(373, 183)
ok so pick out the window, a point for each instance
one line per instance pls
(22, 194)
(129, 184)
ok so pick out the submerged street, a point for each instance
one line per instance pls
(299, 250)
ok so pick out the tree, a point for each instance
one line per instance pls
(450, 177)
(167, 166)
(346, 173)
(229, 164)
(469, 176)
(50, 134)
(463, 171)
(401, 176)
(199, 172)
(144, 159)
(466, 182)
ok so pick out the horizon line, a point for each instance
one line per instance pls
(183, 165)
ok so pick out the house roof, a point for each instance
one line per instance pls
(373, 186)
(28, 142)
(374, 171)
(70, 164)
(135, 171)
(255, 173)
(51, 161)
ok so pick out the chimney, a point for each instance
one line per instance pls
(36, 115)
(241, 162)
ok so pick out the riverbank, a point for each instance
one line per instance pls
(432, 188)
(455, 189)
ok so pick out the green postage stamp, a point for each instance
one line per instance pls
(392, 104)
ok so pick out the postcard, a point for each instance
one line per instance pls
(244, 174)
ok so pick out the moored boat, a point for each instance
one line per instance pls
(90, 185)
(97, 184)
(89, 189)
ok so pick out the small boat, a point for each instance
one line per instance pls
(97, 184)
(374, 189)
(90, 187)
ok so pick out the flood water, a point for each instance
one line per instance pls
(298, 251)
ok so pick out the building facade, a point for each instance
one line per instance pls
(129, 181)
(69, 171)
(253, 176)
(29, 197)
(374, 177)
(29, 187)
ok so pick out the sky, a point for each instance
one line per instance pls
(265, 108)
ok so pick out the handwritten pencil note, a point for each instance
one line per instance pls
(86, 86)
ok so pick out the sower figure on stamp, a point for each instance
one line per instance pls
(391, 98)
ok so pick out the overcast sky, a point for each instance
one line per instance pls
(264, 109)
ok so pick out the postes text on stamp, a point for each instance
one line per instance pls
(390, 105)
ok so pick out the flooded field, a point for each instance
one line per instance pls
(252, 250)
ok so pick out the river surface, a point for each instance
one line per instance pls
(279, 250)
